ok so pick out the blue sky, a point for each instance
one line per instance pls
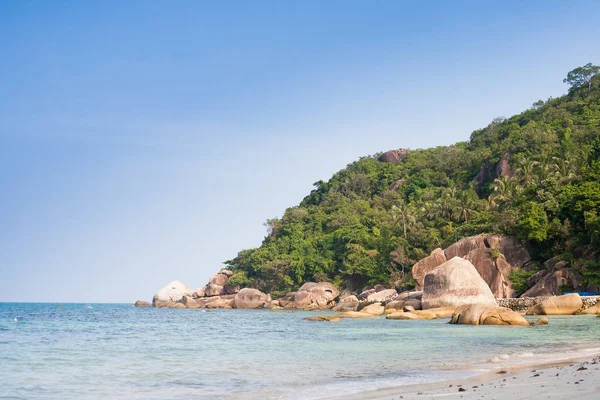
(146, 141)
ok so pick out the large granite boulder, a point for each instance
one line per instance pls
(212, 289)
(349, 299)
(426, 265)
(250, 298)
(373, 309)
(218, 285)
(550, 281)
(394, 156)
(172, 293)
(483, 314)
(191, 302)
(384, 295)
(514, 253)
(142, 303)
(221, 303)
(493, 270)
(219, 279)
(313, 296)
(454, 283)
(568, 304)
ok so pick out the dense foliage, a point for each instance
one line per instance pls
(373, 220)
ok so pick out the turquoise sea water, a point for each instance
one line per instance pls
(90, 351)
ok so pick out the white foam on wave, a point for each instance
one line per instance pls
(530, 358)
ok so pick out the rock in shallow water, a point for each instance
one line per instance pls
(483, 314)
(559, 305)
(172, 293)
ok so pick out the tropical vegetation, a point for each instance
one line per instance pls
(535, 175)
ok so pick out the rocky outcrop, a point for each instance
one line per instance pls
(493, 256)
(142, 303)
(568, 304)
(384, 295)
(514, 253)
(349, 299)
(493, 270)
(503, 167)
(483, 314)
(217, 285)
(251, 298)
(314, 296)
(393, 156)
(454, 283)
(426, 265)
(174, 292)
(551, 281)
(356, 314)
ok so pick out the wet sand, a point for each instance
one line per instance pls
(573, 379)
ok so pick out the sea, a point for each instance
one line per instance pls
(117, 351)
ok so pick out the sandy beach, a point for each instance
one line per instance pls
(577, 379)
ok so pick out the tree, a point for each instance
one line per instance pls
(582, 75)
(405, 214)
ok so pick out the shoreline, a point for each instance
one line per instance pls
(576, 377)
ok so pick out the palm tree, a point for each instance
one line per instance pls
(505, 191)
(526, 171)
(406, 214)
(468, 202)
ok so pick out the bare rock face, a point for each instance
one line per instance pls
(287, 300)
(464, 246)
(568, 304)
(550, 283)
(494, 271)
(218, 285)
(349, 299)
(219, 279)
(482, 314)
(142, 303)
(514, 253)
(250, 298)
(213, 289)
(190, 302)
(394, 156)
(365, 294)
(503, 167)
(221, 303)
(313, 296)
(226, 272)
(172, 293)
(384, 295)
(454, 283)
(426, 265)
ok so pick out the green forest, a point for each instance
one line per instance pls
(535, 175)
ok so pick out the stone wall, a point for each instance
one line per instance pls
(523, 304)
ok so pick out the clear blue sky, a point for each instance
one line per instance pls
(146, 141)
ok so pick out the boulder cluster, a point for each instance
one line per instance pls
(493, 256)
(466, 282)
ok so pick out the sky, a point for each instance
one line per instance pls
(147, 141)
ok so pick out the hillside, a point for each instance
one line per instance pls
(534, 176)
